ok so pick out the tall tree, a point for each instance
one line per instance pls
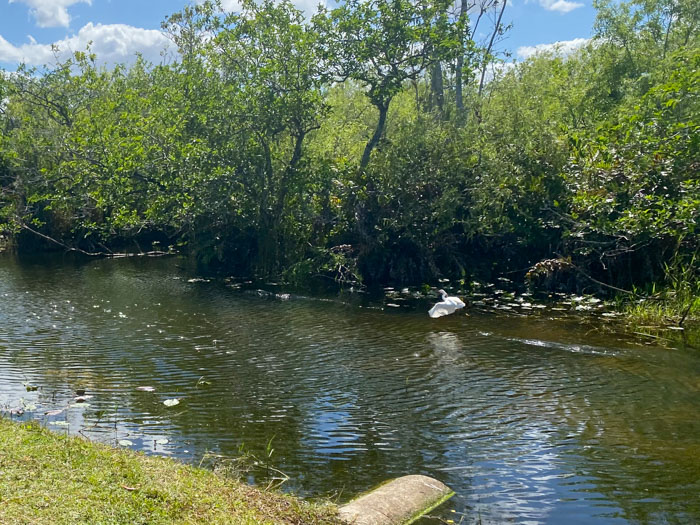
(475, 58)
(269, 60)
(384, 43)
(498, 30)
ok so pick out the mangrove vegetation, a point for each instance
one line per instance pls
(378, 142)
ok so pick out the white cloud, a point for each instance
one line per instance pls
(51, 13)
(112, 43)
(31, 53)
(561, 6)
(562, 48)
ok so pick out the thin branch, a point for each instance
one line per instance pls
(600, 282)
(51, 239)
(110, 254)
(488, 49)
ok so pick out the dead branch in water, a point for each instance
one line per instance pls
(107, 253)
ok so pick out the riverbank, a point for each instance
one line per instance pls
(49, 478)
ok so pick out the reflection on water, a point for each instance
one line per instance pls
(528, 420)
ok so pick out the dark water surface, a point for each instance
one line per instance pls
(528, 420)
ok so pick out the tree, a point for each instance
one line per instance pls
(384, 43)
(637, 37)
(475, 58)
(269, 62)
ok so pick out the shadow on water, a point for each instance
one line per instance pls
(529, 420)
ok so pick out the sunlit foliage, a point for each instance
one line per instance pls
(275, 145)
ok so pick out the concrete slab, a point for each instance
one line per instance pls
(398, 502)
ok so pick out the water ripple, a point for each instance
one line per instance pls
(529, 422)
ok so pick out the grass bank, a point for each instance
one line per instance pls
(49, 478)
(676, 307)
(664, 311)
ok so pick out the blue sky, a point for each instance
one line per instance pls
(120, 28)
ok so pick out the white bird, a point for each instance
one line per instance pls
(447, 306)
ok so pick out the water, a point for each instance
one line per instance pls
(529, 420)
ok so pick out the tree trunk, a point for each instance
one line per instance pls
(364, 162)
(283, 188)
(490, 46)
(459, 97)
(436, 86)
(363, 207)
(267, 227)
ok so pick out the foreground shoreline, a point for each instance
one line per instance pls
(46, 477)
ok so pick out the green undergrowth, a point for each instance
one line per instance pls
(676, 305)
(660, 312)
(49, 478)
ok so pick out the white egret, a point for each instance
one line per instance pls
(447, 306)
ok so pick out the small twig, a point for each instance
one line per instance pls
(685, 314)
(517, 271)
(650, 335)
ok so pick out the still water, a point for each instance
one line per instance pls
(529, 420)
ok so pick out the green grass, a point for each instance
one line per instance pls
(47, 478)
(667, 308)
(657, 313)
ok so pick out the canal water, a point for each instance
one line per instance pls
(529, 419)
